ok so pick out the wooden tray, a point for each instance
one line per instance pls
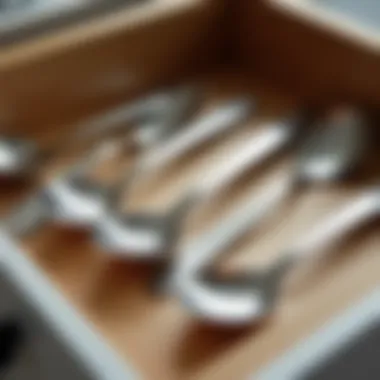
(154, 335)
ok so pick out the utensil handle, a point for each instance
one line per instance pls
(205, 250)
(197, 133)
(95, 157)
(118, 116)
(254, 152)
(26, 218)
(98, 125)
(107, 121)
(337, 226)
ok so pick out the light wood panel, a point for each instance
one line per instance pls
(53, 79)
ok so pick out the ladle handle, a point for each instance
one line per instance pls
(26, 218)
(95, 157)
(117, 119)
(107, 121)
(118, 116)
(253, 153)
(337, 226)
(205, 250)
(197, 133)
(101, 124)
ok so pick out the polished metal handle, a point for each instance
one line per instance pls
(199, 132)
(27, 217)
(251, 153)
(112, 119)
(202, 252)
(337, 226)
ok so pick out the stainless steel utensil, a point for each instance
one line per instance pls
(18, 157)
(155, 117)
(76, 201)
(249, 297)
(153, 236)
(70, 198)
(327, 156)
(73, 198)
(197, 257)
(334, 149)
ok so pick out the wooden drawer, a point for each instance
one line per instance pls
(170, 42)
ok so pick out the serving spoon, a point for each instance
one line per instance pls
(62, 200)
(249, 297)
(75, 200)
(72, 198)
(245, 298)
(335, 148)
(153, 236)
(155, 118)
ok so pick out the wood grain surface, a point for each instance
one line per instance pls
(279, 60)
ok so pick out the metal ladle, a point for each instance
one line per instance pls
(73, 198)
(246, 298)
(76, 201)
(249, 297)
(155, 116)
(142, 234)
(63, 200)
(153, 236)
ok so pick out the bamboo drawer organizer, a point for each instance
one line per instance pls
(281, 51)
